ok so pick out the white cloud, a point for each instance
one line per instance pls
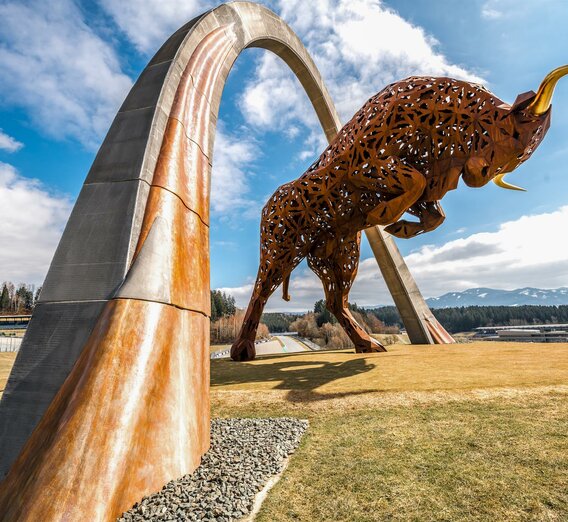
(359, 46)
(8, 143)
(233, 161)
(148, 23)
(491, 14)
(274, 97)
(490, 10)
(67, 78)
(525, 252)
(32, 221)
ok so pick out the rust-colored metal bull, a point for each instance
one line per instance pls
(404, 149)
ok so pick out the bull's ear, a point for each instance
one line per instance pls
(523, 101)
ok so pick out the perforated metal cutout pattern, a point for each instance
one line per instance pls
(400, 153)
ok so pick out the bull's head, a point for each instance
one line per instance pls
(521, 131)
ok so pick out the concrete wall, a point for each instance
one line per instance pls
(10, 344)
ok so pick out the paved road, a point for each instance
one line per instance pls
(291, 344)
(278, 344)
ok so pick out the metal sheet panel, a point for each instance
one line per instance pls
(54, 339)
(91, 259)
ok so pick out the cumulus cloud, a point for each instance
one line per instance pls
(8, 143)
(233, 162)
(31, 223)
(146, 23)
(523, 252)
(56, 67)
(358, 45)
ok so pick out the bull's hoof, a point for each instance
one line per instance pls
(405, 229)
(370, 346)
(243, 350)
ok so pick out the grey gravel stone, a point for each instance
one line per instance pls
(244, 455)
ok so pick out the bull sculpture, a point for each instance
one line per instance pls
(404, 149)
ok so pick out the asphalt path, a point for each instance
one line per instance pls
(291, 345)
(277, 345)
(280, 344)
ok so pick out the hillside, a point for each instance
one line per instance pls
(493, 297)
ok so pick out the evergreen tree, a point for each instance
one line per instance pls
(323, 315)
(214, 312)
(4, 299)
(278, 322)
(222, 305)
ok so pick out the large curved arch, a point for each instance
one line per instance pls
(115, 362)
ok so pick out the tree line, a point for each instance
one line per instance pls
(222, 305)
(226, 319)
(18, 300)
(278, 322)
(321, 326)
(467, 318)
(455, 319)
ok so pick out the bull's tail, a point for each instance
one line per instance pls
(285, 285)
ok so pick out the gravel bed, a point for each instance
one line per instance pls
(244, 455)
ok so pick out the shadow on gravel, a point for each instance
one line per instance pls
(301, 378)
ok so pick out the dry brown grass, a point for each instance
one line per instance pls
(402, 368)
(218, 347)
(6, 362)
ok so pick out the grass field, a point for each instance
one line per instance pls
(6, 362)
(402, 368)
(475, 432)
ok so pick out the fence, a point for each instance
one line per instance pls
(10, 344)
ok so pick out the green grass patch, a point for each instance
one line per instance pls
(490, 460)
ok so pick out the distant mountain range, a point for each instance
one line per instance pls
(492, 297)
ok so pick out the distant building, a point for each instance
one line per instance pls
(533, 333)
(14, 321)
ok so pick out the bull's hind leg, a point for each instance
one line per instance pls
(337, 273)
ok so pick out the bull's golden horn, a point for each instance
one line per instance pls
(500, 182)
(543, 97)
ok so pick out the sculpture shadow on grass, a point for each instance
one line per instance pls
(300, 378)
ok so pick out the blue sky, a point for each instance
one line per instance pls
(66, 66)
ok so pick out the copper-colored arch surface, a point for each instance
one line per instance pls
(134, 411)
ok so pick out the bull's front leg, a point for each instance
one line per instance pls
(430, 214)
(399, 186)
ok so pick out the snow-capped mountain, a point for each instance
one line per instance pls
(492, 297)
